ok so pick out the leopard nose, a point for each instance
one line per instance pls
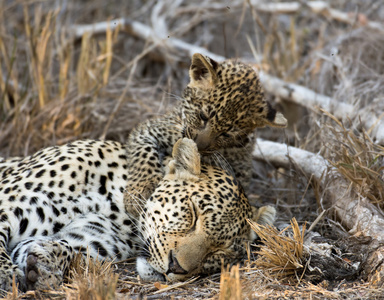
(202, 142)
(174, 266)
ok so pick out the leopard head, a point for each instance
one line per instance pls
(195, 220)
(223, 103)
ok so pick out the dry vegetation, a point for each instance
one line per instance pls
(57, 85)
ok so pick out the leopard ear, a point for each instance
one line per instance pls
(278, 120)
(202, 72)
(185, 164)
(271, 118)
(264, 215)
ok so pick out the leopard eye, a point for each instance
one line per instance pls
(225, 135)
(203, 117)
(194, 217)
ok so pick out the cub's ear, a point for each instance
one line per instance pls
(270, 117)
(278, 121)
(202, 72)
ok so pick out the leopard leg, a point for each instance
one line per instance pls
(149, 143)
(44, 261)
(101, 237)
(8, 269)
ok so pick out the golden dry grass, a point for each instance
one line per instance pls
(359, 160)
(230, 284)
(281, 255)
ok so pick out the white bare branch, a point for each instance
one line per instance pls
(318, 7)
(282, 155)
(357, 215)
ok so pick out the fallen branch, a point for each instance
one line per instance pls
(318, 7)
(282, 155)
(317, 102)
(289, 91)
(321, 8)
(358, 215)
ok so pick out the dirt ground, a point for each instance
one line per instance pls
(58, 84)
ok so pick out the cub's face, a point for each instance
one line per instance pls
(196, 218)
(223, 103)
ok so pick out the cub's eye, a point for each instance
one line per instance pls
(203, 117)
(225, 135)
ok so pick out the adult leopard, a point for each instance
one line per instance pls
(71, 198)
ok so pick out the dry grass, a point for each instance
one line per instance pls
(91, 279)
(359, 160)
(54, 89)
(230, 284)
(281, 254)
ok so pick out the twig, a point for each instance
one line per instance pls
(318, 7)
(176, 285)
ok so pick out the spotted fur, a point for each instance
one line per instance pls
(69, 199)
(60, 200)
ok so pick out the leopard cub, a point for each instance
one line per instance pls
(220, 108)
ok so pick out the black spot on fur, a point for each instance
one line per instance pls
(271, 113)
(102, 188)
(23, 226)
(114, 207)
(40, 173)
(64, 167)
(33, 200)
(76, 236)
(28, 185)
(55, 211)
(99, 248)
(40, 213)
(57, 226)
(101, 154)
(18, 212)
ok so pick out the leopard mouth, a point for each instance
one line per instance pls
(146, 271)
(149, 273)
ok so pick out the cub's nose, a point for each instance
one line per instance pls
(202, 141)
(174, 266)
